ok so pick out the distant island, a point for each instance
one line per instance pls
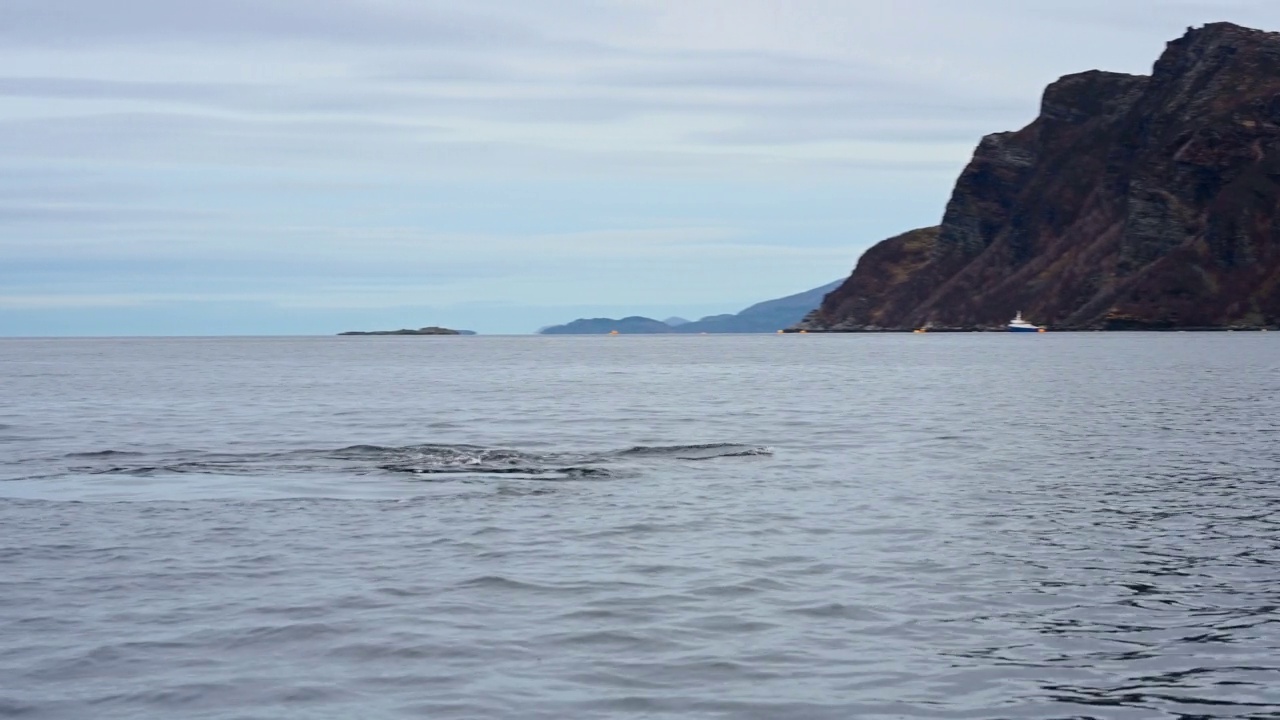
(764, 317)
(1131, 203)
(420, 331)
(634, 325)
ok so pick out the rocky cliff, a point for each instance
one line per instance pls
(1130, 202)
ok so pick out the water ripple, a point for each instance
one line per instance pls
(961, 527)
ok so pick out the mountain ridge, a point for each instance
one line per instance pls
(762, 317)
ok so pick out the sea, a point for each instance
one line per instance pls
(1074, 525)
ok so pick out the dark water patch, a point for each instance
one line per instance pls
(533, 473)
(498, 582)
(421, 460)
(185, 695)
(414, 681)
(32, 478)
(96, 454)
(596, 615)
(694, 452)
(275, 635)
(740, 589)
(520, 491)
(586, 471)
(749, 452)
(400, 651)
(616, 640)
(359, 452)
(15, 708)
(443, 452)
(631, 530)
(615, 680)
(728, 624)
(449, 710)
(839, 611)
(663, 569)
(123, 470)
(464, 470)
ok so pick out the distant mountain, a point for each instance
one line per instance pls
(634, 325)
(767, 316)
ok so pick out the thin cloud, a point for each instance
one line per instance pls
(62, 22)
(66, 213)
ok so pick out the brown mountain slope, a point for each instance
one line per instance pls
(1130, 202)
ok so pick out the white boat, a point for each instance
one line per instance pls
(1017, 324)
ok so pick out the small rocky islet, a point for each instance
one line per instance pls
(431, 330)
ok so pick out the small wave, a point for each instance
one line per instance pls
(749, 452)
(523, 490)
(139, 470)
(187, 468)
(499, 582)
(462, 470)
(437, 454)
(543, 473)
(673, 449)
(355, 452)
(14, 708)
(586, 471)
(746, 587)
(696, 452)
(273, 635)
(92, 454)
(29, 478)
(835, 610)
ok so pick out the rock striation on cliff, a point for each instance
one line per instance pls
(1131, 202)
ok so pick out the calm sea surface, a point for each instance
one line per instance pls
(808, 527)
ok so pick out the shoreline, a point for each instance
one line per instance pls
(931, 331)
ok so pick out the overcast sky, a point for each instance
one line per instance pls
(311, 166)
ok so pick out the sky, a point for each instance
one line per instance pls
(247, 167)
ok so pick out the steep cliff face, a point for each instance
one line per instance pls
(1130, 202)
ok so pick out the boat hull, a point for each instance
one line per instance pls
(1027, 330)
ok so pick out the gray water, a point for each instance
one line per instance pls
(939, 526)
